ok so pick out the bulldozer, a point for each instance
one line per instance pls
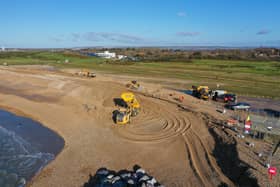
(131, 108)
(201, 92)
(86, 73)
(133, 85)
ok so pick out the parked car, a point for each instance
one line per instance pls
(226, 98)
(239, 106)
(215, 93)
(230, 98)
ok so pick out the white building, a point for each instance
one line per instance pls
(120, 57)
(106, 54)
(3, 48)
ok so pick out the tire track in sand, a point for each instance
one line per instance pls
(155, 124)
(161, 121)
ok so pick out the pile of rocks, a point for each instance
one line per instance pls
(123, 178)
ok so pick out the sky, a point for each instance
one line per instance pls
(88, 23)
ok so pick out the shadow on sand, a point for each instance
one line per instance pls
(188, 92)
(228, 160)
(120, 102)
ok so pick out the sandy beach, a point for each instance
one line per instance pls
(180, 147)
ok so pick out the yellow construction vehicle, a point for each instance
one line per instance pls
(201, 92)
(123, 116)
(86, 73)
(133, 85)
(131, 109)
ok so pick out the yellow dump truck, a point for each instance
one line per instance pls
(131, 109)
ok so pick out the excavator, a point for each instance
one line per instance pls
(201, 92)
(131, 109)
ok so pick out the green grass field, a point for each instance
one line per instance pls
(241, 77)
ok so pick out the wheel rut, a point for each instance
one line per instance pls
(160, 121)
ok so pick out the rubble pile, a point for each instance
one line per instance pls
(123, 178)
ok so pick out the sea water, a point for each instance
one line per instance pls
(25, 148)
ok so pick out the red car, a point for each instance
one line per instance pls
(226, 98)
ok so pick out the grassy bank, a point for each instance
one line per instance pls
(242, 77)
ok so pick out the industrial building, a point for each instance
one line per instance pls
(106, 54)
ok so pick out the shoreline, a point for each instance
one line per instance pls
(39, 128)
(20, 113)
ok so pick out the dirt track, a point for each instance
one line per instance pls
(176, 146)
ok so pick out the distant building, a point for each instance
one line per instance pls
(120, 57)
(106, 54)
(3, 48)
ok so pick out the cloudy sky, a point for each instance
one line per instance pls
(74, 23)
